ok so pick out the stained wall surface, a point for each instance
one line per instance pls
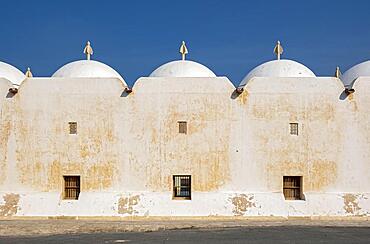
(237, 147)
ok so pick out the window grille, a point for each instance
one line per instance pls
(294, 129)
(292, 187)
(182, 187)
(183, 127)
(72, 127)
(71, 187)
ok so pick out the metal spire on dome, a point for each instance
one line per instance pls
(88, 50)
(278, 50)
(28, 73)
(337, 74)
(183, 50)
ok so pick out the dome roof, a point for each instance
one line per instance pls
(362, 69)
(182, 68)
(86, 69)
(279, 68)
(11, 73)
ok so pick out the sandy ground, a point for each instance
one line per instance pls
(64, 226)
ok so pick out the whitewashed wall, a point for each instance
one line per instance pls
(237, 148)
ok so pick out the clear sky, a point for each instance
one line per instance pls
(230, 37)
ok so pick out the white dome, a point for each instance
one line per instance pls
(11, 73)
(279, 68)
(182, 68)
(86, 69)
(362, 69)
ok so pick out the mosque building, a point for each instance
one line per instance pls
(185, 142)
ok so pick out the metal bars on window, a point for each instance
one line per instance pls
(71, 187)
(292, 187)
(182, 187)
(183, 127)
(294, 129)
(72, 128)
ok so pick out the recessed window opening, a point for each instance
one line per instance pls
(182, 187)
(292, 187)
(183, 127)
(72, 128)
(71, 187)
(294, 129)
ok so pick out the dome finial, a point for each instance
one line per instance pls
(88, 50)
(183, 50)
(278, 50)
(337, 74)
(28, 73)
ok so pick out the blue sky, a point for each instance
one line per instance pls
(230, 37)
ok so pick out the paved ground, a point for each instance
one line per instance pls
(267, 234)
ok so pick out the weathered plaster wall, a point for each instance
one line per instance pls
(271, 104)
(5, 127)
(156, 106)
(237, 148)
(356, 171)
(44, 149)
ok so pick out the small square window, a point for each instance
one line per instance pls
(182, 187)
(183, 127)
(292, 187)
(72, 128)
(71, 187)
(294, 129)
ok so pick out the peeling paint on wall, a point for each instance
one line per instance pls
(169, 153)
(5, 127)
(96, 176)
(45, 150)
(321, 174)
(272, 106)
(234, 143)
(242, 203)
(243, 97)
(126, 205)
(351, 204)
(10, 206)
(316, 175)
